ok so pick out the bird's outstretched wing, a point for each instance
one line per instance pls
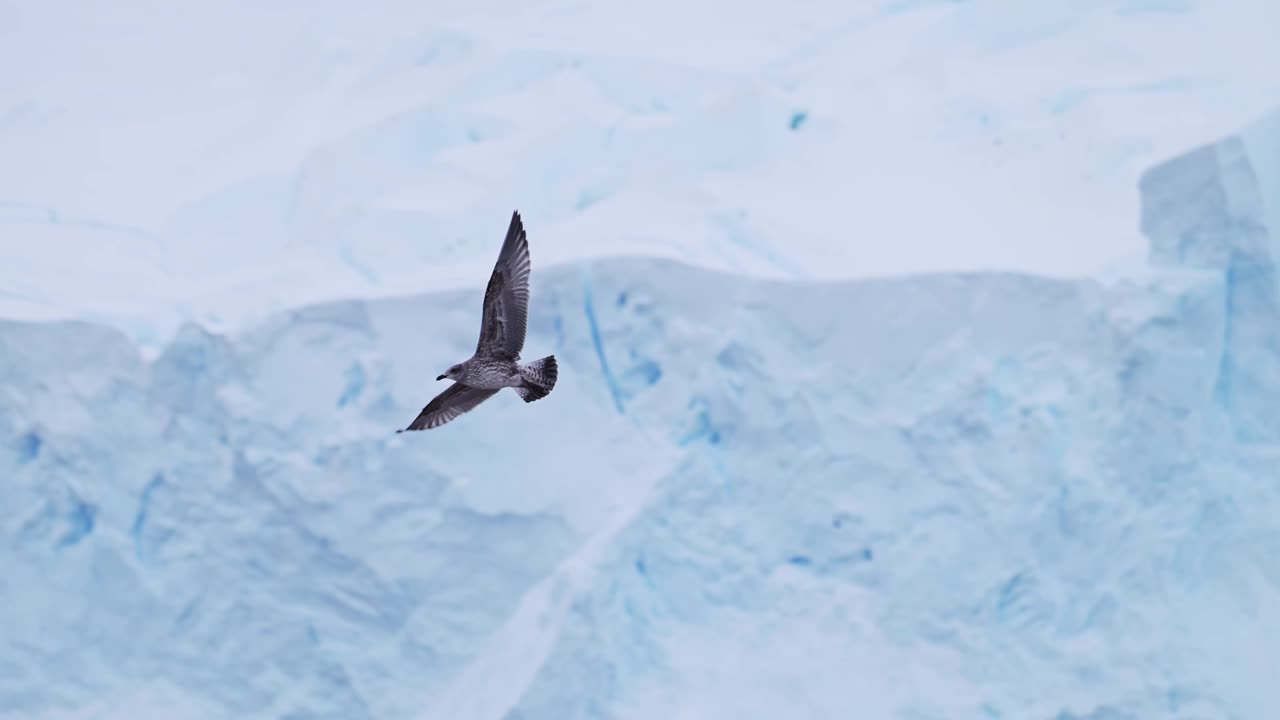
(454, 401)
(506, 299)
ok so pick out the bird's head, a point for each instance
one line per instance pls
(452, 373)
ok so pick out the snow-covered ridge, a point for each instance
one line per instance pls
(955, 495)
(224, 162)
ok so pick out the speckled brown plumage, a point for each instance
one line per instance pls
(496, 361)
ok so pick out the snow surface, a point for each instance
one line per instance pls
(766, 485)
(217, 162)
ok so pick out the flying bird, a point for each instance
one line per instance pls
(496, 362)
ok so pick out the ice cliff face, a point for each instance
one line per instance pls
(977, 495)
(1218, 208)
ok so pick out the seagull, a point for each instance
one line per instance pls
(496, 362)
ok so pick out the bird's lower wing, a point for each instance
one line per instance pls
(451, 403)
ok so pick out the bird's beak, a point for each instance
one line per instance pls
(440, 378)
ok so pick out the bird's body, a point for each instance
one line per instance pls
(490, 373)
(496, 362)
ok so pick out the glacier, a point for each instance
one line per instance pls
(912, 366)
(974, 494)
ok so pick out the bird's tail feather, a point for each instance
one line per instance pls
(539, 378)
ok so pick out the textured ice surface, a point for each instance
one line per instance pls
(220, 161)
(960, 495)
(1218, 208)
